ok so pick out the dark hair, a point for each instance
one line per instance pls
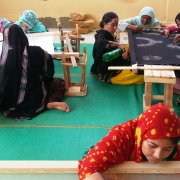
(177, 17)
(174, 140)
(107, 18)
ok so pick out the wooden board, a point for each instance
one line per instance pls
(129, 170)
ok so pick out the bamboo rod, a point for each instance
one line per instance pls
(152, 27)
(58, 167)
(73, 60)
(144, 68)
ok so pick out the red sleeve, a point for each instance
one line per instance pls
(114, 148)
(172, 28)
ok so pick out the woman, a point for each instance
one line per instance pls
(145, 19)
(175, 28)
(27, 86)
(166, 32)
(105, 41)
(29, 23)
(153, 137)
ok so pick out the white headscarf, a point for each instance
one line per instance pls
(148, 11)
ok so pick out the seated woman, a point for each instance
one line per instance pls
(167, 31)
(145, 19)
(29, 23)
(27, 86)
(105, 41)
(153, 137)
(175, 28)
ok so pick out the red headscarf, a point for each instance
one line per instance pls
(155, 123)
(123, 142)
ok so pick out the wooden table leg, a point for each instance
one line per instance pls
(168, 95)
(147, 95)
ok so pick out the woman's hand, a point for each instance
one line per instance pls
(116, 44)
(137, 28)
(177, 38)
(166, 33)
(95, 176)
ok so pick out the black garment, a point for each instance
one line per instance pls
(26, 76)
(102, 37)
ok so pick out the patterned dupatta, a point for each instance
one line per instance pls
(3, 57)
(155, 123)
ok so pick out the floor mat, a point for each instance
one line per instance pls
(56, 135)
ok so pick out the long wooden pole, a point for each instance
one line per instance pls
(73, 60)
(58, 167)
(152, 27)
(167, 10)
(143, 67)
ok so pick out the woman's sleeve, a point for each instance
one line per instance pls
(112, 149)
(124, 23)
(171, 29)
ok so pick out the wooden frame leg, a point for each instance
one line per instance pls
(66, 72)
(67, 85)
(78, 45)
(83, 78)
(147, 95)
(168, 95)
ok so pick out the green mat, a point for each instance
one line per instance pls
(56, 135)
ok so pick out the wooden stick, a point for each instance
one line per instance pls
(77, 39)
(167, 8)
(62, 41)
(143, 68)
(152, 27)
(44, 167)
(73, 60)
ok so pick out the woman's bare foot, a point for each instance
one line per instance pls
(58, 105)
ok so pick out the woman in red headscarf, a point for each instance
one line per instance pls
(153, 137)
